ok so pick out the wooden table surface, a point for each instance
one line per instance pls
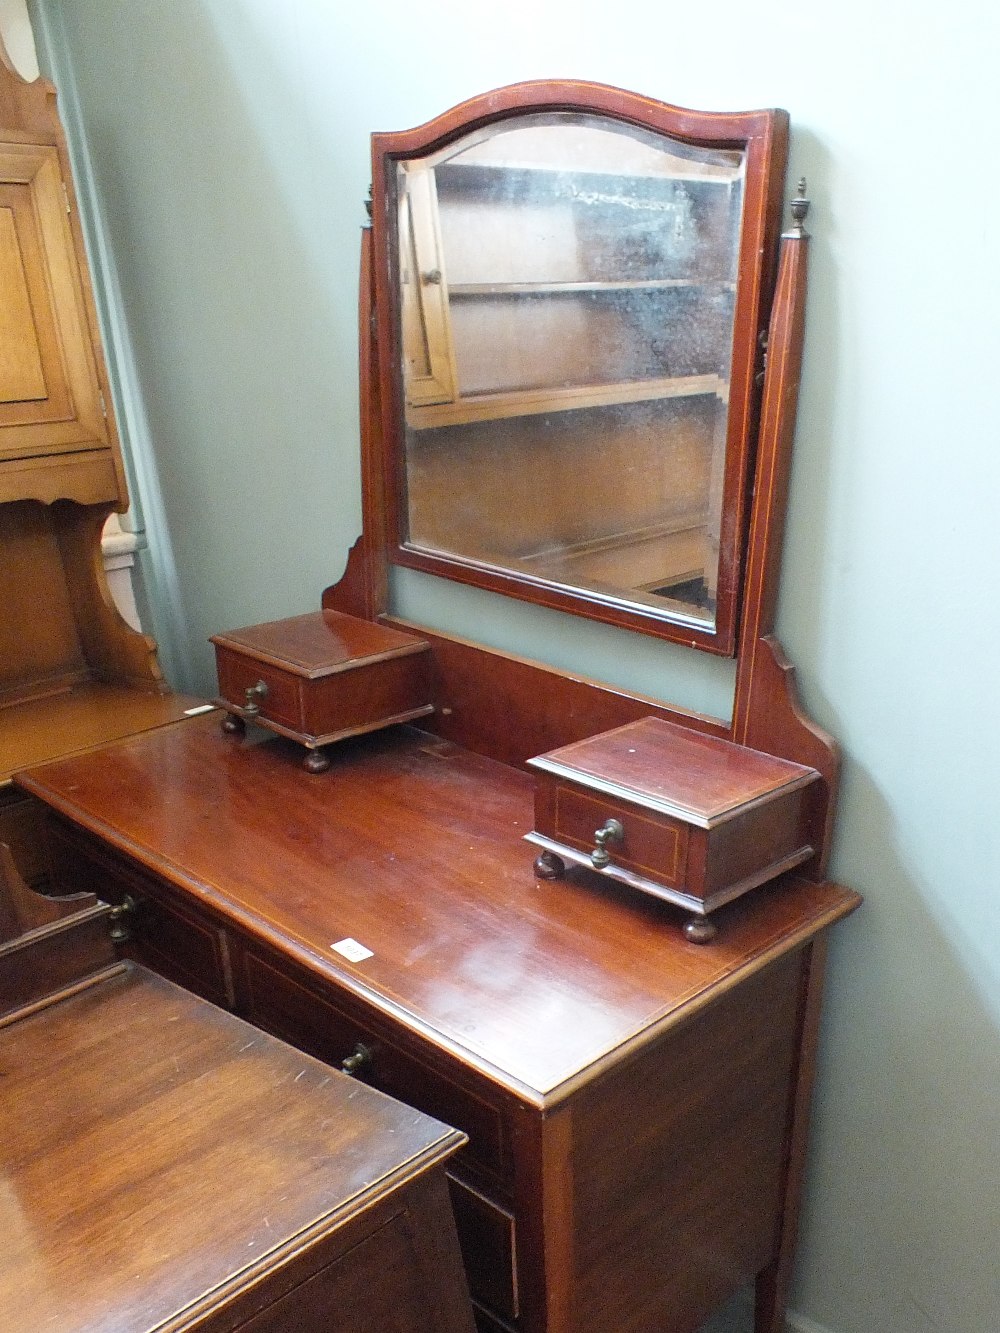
(156, 1152)
(415, 849)
(82, 718)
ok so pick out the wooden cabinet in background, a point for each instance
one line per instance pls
(55, 435)
(73, 674)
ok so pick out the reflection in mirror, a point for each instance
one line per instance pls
(567, 287)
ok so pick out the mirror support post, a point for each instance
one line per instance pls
(766, 710)
(363, 588)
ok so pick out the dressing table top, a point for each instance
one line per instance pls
(414, 848)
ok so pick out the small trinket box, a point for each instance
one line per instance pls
(321, 677)
(686, 816)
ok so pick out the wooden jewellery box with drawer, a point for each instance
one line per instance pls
(321, 677)
(685, 816)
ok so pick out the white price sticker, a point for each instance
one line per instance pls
(352, 950)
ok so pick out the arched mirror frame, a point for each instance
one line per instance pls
(511, 708)
(761, 138)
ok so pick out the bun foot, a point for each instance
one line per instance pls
(699, 930)
(315, 762)
(233, 725)
(549, 866)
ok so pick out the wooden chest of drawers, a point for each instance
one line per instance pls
(689, 818)
(321, 677)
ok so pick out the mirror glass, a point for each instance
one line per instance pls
(567, 285)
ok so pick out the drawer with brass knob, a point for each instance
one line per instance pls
(688, 817)
(321, 677)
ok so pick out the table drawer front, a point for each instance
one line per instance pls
(274, 998)
(184, 947)
(651, 845)
(486, 1233)
(172, 939)
(237, 674)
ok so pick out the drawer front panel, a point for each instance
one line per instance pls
(272, 997)
(173, 940)
(486, 1233)
(184, 947)
(652, 845)
(237, 674)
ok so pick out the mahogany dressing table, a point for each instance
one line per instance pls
(636, 1102)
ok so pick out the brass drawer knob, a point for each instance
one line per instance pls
(254, 694)
(122, 918)
(359, 1061)
(611, 831)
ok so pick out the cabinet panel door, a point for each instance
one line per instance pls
(50, 395)
(21, 355)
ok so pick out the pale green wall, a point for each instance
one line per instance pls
(228, 140)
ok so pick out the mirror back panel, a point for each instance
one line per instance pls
(573, 284)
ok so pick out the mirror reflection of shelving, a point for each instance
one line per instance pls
(567, 293)
(568, 257)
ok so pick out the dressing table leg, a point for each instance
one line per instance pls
(773, 1282)
(315, 761)
(233, 725)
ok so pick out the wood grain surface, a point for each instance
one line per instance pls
(415, 849)
(160, 1156)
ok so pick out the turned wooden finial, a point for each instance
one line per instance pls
(800, 207)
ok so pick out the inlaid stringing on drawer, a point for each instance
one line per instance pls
(283, 699)
(652, 845)
(487, 1235)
